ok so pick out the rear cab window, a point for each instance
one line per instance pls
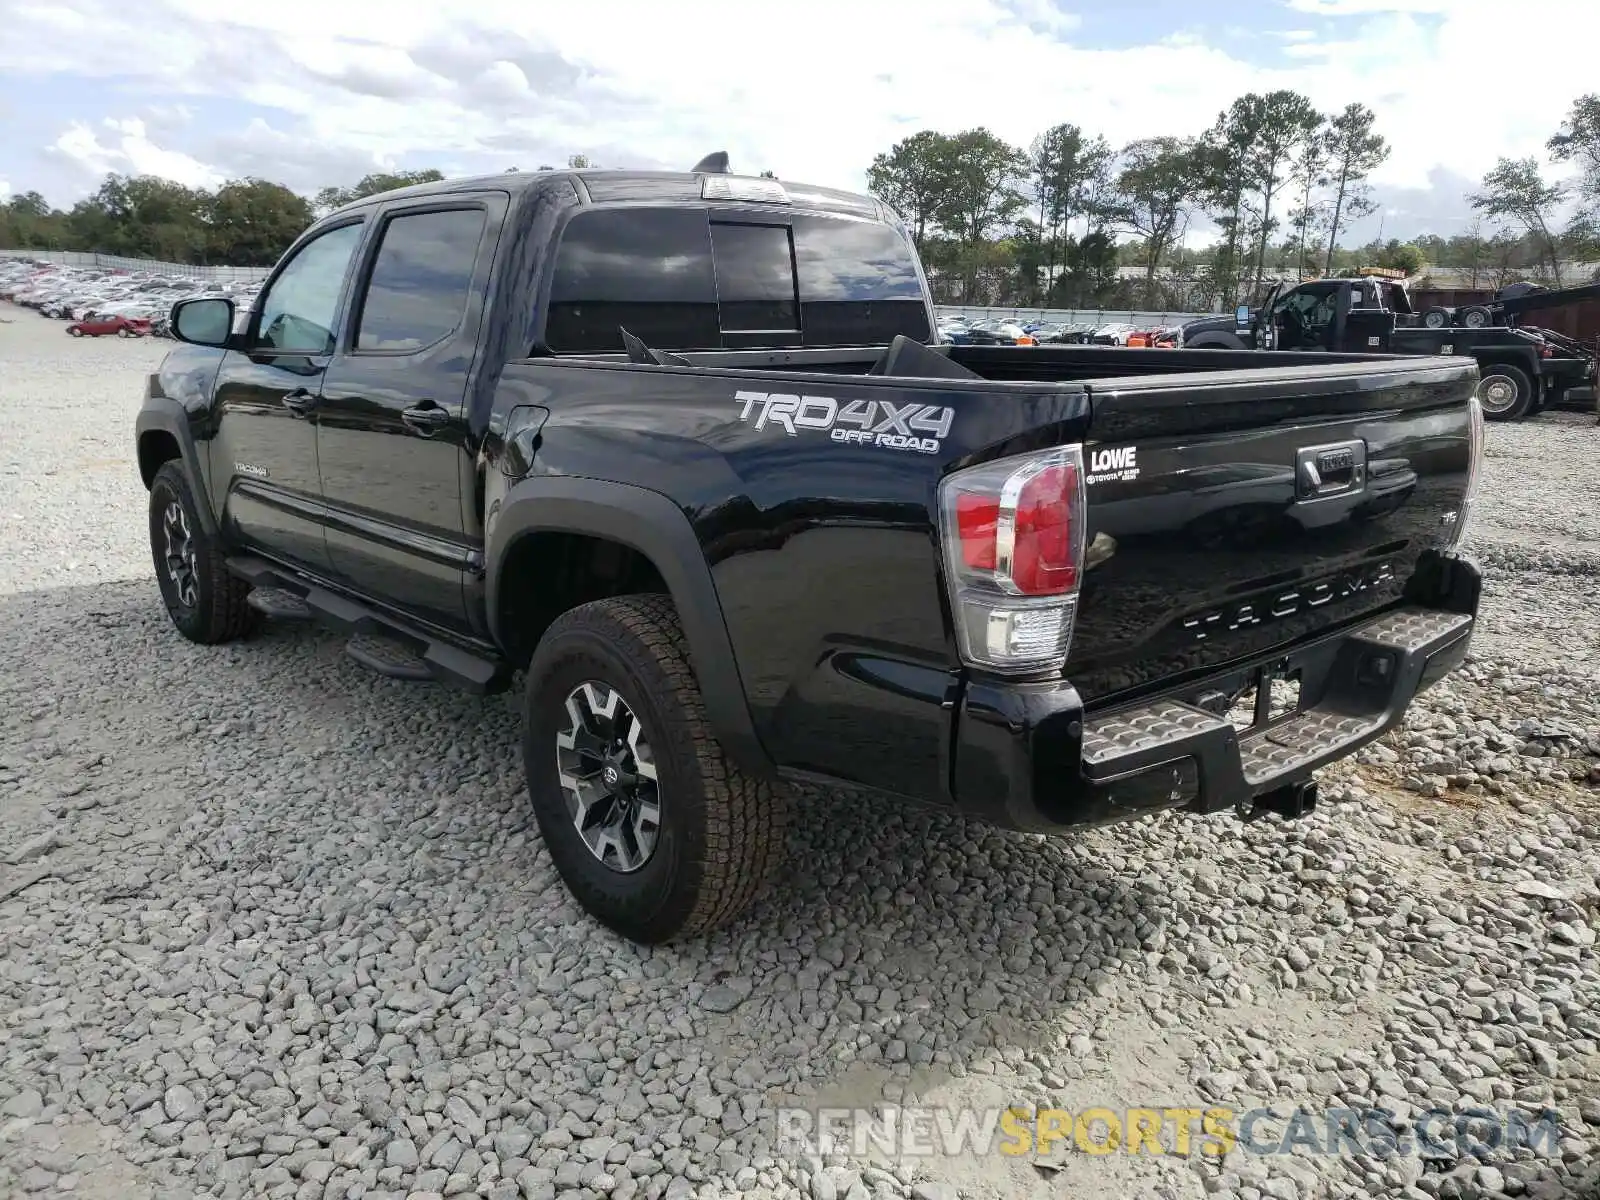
(709, 278)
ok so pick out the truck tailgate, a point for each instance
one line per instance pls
(1233, 513)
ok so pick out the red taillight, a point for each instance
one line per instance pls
(1014, 544)
(1037, 526)
(976, 518)
(1041, 559)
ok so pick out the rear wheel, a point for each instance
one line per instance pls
(1475, 318)
(1505, 392)
(654, 830)
(74, 331)
(1436, 318)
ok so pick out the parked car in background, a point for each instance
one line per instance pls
(1115, 333)
(99, 326)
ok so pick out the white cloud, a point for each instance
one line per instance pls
(5, 189)
(812, 96)
(128, 150)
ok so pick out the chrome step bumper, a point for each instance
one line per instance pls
(1355, 685)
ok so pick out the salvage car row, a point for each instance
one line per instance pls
(99, 302)
(962, 331)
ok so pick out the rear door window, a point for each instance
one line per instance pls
(421, 280)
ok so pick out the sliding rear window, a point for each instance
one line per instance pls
(697, 279)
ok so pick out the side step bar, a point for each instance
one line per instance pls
(378, 641)
(1360, 682)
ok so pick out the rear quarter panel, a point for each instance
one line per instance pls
(823, 550)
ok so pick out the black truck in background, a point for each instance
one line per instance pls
(677, 450)
(1520, 370)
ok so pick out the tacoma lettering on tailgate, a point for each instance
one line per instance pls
(1287, 603)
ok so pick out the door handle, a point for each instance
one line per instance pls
(299, 401)
(425, 418)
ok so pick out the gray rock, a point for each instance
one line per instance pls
(27, 1104)
(34, 848)
(726, 996)
(181, 1104)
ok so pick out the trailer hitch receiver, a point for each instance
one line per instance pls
(1290, 802)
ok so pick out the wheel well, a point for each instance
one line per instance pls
(156, 447)
(1488, 363)
(547, 573)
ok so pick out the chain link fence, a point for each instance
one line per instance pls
(149, 266)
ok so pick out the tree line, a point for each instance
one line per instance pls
(1050, 224)
(243, 223)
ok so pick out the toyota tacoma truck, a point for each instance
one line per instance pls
(679, 455)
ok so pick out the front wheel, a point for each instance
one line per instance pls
(655, 831)
(74, 331)
(205, 602)
(124, 332)
(1505, 392)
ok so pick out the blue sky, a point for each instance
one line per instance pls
(315, 93)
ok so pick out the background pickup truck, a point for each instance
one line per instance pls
(771, 536)
(1521, 370)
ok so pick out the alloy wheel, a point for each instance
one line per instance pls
(608, 775)
(180, 555)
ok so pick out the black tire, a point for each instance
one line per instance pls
(124, 332)
(73, 331)
(1505, 392)
(1436, 318)
(1474, 317)
(719, 835)
(205, 602)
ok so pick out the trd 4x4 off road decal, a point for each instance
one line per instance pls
(913, 426)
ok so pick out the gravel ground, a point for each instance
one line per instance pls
(271, 925)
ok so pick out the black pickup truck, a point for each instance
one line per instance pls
(1520, 370)
(771, 535)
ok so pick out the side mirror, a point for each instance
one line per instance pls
(1241, 315)
(205, 321)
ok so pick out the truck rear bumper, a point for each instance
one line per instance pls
(1030, 758)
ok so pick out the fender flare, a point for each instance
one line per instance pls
(161, 414)
(657, 528)
(1527, 359)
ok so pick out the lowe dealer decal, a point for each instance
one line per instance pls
(1115, 463)
(913, 426)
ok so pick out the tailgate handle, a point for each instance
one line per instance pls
(1330, 470)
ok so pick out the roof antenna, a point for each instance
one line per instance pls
(715, 163)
